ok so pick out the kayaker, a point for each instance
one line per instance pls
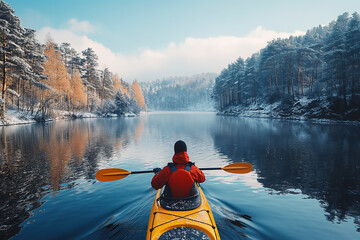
(180, 175)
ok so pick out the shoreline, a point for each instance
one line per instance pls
(313, 120)
(276, 111)
(13, 117)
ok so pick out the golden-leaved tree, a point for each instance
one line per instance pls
(119, 84)
(57, 75)
(138, 94)
(77, 96)
(116, 82)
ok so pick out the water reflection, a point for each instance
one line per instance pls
(56, 163)
(322, 161)
(38, 159)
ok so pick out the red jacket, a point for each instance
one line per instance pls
(160, 179)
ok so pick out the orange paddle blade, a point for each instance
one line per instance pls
(241, 167)
(111, 174)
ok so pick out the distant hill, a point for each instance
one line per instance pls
(180, 93)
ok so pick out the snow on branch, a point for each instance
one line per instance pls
(12, 92)
(41, 85)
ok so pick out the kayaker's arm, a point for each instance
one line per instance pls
(160, 179)
(197, 174)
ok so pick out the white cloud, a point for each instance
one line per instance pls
(80, 26)
(191, 56)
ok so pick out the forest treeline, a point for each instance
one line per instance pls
(40, 78)
(180, 93)
(320, 69)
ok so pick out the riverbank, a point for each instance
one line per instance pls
(302, 110)
(14, 117)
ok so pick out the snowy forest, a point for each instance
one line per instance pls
(180, 93)
(312, 76)
(42, 79)
(316, 75)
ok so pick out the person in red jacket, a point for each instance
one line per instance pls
(180, 175)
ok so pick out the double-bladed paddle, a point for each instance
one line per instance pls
(112, 174)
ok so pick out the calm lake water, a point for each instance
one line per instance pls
(305, 183)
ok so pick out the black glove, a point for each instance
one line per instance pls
(156, 170)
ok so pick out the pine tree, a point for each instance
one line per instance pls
(250, 76)
(122, 103)
(91, 77)
(352, 45)
(107, 86)
(31, 84)
(11, 53)
(334, 57)
(65, 49)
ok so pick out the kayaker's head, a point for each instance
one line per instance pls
(180, 146)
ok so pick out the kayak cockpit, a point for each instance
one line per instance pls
(180, 204)
(184, 233)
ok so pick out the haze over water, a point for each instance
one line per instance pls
(305, 183)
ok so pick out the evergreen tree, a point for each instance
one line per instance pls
(32, 81)
(11, 53)
(91, 77)
(352, 45)
(334, 57)
(250, 76)
(107, 86)
(122, 103)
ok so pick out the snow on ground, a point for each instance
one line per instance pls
(14, 117)
(299, 111)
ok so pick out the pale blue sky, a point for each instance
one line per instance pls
(131, 27)
(128, 25)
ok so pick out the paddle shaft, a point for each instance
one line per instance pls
(139, 172)
(214, 168)
(151, 171)
(202, 169)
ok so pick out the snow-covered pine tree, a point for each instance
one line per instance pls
(11, 53)
(122, 103)
(107, 85)
(334, 56)
(250, 76)
(34, 56)
(91, 77)
(65, 49)
(352, 45)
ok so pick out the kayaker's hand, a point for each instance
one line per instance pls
(156, 170)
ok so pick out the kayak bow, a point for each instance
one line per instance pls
(197, 222)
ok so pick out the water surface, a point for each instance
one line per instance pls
(305, 183)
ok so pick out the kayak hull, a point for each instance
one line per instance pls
(195, 222)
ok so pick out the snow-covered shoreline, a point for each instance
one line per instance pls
(14, 117)
(301, 110)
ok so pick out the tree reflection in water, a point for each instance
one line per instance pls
(38, 159)
(321, 160)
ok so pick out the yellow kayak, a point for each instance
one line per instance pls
(186, 218)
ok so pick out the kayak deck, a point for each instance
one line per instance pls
(197, 223)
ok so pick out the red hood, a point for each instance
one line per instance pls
(180, 158)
